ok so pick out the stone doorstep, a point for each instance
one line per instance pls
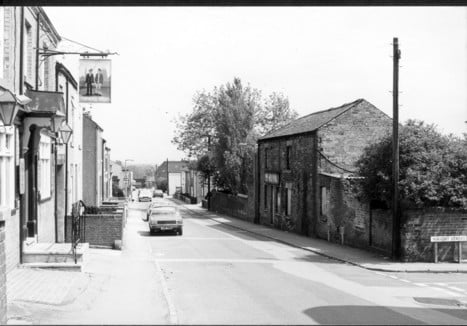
(70, 266)
(55, 255)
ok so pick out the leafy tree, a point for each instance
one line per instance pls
(433, 168)
(234, 116)
(275, 113)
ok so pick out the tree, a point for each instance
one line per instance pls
(234, 116)
(433, 168)
(275, 113)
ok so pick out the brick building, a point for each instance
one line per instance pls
(306, 171)
(175, 175)
(93, 162)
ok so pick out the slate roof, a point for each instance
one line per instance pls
(311, 121)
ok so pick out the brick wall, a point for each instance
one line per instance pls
(343, 209)
(3, 303)
(232, 205)
(381, 230)
(302, 156)
(100, 229)
(420, 225)
(343, 139)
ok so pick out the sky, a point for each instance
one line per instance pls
(319, 57)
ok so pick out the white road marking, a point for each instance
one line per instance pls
(173, 318)
(456, 289)
(215, 260)
(406, 281)
(421, 284)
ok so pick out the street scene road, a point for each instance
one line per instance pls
(218, 274)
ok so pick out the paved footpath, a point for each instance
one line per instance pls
(354, 256)
(115, 287)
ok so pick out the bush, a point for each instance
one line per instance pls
(433, 168)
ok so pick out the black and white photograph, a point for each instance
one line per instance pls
(226, 164)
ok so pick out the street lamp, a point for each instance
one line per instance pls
(65, 132)
(57, 120)
(9, 105)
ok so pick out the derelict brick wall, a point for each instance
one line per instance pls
(344, 209)
(343, 139)
(420, 225)
(3, 304)
(100, 230)
(231, 205)
(302, 156)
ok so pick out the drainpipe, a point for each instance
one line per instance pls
(22, 230)
(37, 49)
(66, 166)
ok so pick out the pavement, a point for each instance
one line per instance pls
(114, 287)
(354, 256)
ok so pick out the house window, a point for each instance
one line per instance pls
(265, 196)
(324, 201)
(277, 209)
(2, 40)
(7, 182)
(288, 202)
(28, 52)
(45, 166)
(287, 157)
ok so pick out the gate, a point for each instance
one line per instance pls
(78, 225)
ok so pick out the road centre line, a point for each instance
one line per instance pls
(216, 260)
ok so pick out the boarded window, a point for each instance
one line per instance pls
(324, 201)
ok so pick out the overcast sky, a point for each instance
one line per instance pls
(320, 57)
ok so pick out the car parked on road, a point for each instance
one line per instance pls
(144, 195)
(158, 193)
(153, 204)
(165, 218)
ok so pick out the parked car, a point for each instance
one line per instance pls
(165, 218)
(145, 195)
(152, 205)
(158, 193)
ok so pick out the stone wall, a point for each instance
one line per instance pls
(3, 303)
(296, 177)
(100, 229)
(232, 205)
(343, 208)
(343, 139)
(420, 225)
(381, 230)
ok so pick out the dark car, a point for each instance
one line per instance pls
(158, 193)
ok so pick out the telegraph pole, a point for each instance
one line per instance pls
(209, 174)
(396, 234)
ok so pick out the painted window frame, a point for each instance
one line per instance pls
(7, 166)
(45, 167)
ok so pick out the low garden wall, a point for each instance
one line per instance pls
(186, 198)
(102, 226)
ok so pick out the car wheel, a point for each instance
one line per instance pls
(180, 231)
(151, 232)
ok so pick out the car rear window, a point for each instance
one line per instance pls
(163, 210)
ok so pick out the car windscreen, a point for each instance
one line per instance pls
(163, 211)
